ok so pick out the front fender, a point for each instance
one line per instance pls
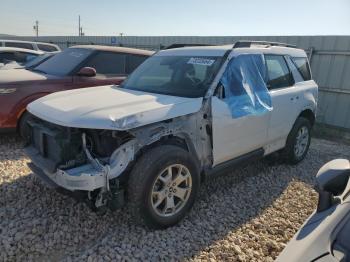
(20, 107)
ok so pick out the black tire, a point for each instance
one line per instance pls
(23, 127)
(288, 153)
(143, 177)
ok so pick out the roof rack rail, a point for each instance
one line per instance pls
(184, 45)
(247, 43)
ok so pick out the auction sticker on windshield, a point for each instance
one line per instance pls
(200, 61)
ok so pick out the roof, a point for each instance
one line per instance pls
(116, 49)
(220, 50)
(23, 50)
(29, 42)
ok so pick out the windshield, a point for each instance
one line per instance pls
(63, 63)
(38, 60)
(185, 76)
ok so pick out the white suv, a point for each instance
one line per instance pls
(38, 46)
(182, 115)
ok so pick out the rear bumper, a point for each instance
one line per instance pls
(85, 177)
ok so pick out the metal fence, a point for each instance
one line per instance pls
(329, 56)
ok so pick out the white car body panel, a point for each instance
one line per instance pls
(110, 107)
(23, 50)
(287, 104)
(233, 137)
(33, 44)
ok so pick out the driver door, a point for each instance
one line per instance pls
(242, 110)
(233, 137)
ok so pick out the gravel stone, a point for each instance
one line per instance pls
(247, 215)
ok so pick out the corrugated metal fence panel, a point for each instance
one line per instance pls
(331, 71)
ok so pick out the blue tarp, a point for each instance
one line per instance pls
(244, 82)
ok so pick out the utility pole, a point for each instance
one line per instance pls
(121, 39)
(80, 28)
(36, 28)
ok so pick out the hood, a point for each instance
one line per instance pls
(110, 107)
(19, 75)
(13, 65)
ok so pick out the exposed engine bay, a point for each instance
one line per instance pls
(63, 146)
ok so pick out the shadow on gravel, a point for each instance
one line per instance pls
(39, 224)
(11, 146)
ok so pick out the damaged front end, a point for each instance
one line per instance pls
(82, 162)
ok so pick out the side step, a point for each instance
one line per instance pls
(236, 162)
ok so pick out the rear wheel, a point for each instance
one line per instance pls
(162, 186)
(298, 141)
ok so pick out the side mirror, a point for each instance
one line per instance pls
(331, 180)
(87, 71)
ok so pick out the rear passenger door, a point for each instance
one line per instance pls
(284, 99)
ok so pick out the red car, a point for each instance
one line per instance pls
(75, 67)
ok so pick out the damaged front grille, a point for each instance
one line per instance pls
(62, 147)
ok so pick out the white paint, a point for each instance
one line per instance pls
(110, 107)
(22, 50)
(233, 137)
(287, 104)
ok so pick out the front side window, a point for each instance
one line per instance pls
(303, 67)
(278, 72)
(107, 63)
(244, 83)
(64, 63)
(185, 76)
(19, 45)
(25, 57)
(38, 60)
(47, 48)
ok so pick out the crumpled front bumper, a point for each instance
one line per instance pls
(85, 177)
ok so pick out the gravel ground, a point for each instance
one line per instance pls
(248, 215)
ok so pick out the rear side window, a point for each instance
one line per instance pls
(303, 67)
(47, 48)
(278, 72)
(108, 63)
(19, 45)
(6, 57)
(133, 61)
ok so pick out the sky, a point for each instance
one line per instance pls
(176, 17)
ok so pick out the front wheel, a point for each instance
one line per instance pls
(298, 141)
(163, 186)
(23, 127)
